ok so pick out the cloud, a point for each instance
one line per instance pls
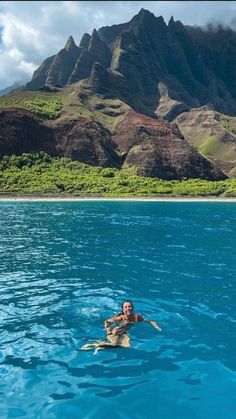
(33, 31)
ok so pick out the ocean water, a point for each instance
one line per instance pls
(67, 266)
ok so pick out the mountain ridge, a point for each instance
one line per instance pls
(181, 57)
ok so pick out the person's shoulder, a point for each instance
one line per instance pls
(139, 318)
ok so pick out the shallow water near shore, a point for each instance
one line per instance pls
(66, 266)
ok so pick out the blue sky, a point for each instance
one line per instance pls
(32, 31)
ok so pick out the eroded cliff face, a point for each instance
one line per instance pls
(158, 149)
(63, 64)
(156, 68)
(21, 132)
(85, 140)
(79, 138)
(153, 147)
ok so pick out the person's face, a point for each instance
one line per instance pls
(127, 308)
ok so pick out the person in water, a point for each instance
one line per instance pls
(118, 336)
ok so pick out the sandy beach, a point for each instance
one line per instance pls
(120, 199)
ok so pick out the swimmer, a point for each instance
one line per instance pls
(118, 336)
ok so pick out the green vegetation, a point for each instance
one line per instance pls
(44, 105)
(210, 145)
(39, 174)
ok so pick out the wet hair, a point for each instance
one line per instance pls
(122, 305)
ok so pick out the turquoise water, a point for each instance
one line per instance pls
(66, 266)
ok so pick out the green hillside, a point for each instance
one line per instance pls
(69, 102)
(212, 134)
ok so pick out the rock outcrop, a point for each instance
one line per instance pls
(63, 64)
(157, 149)
(79, 139)
(97, 51)
(21, 132)
(211, 134)
(86, 141)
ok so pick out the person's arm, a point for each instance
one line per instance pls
(152, 322)
(111, 320)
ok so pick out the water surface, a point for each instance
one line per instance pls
(66, 266)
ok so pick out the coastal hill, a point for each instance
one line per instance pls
(126, 97)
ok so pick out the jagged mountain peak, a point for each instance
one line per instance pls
(176, 24)
(84, 43)
(97, 45)
(146, 18)
(95, 35)
(149, 20)
(70, 44)
(95, 41)
(144, 13)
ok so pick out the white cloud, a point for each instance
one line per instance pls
(32, 31)
(26, 67)
(15, 54)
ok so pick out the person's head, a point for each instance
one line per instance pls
(127, 307)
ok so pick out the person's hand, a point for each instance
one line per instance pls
(154, 324)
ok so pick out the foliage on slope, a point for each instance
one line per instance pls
(39, 174)
(43, 105)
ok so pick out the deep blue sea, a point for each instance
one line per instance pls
(67, 266)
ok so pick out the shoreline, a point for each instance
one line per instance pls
(118, 199)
